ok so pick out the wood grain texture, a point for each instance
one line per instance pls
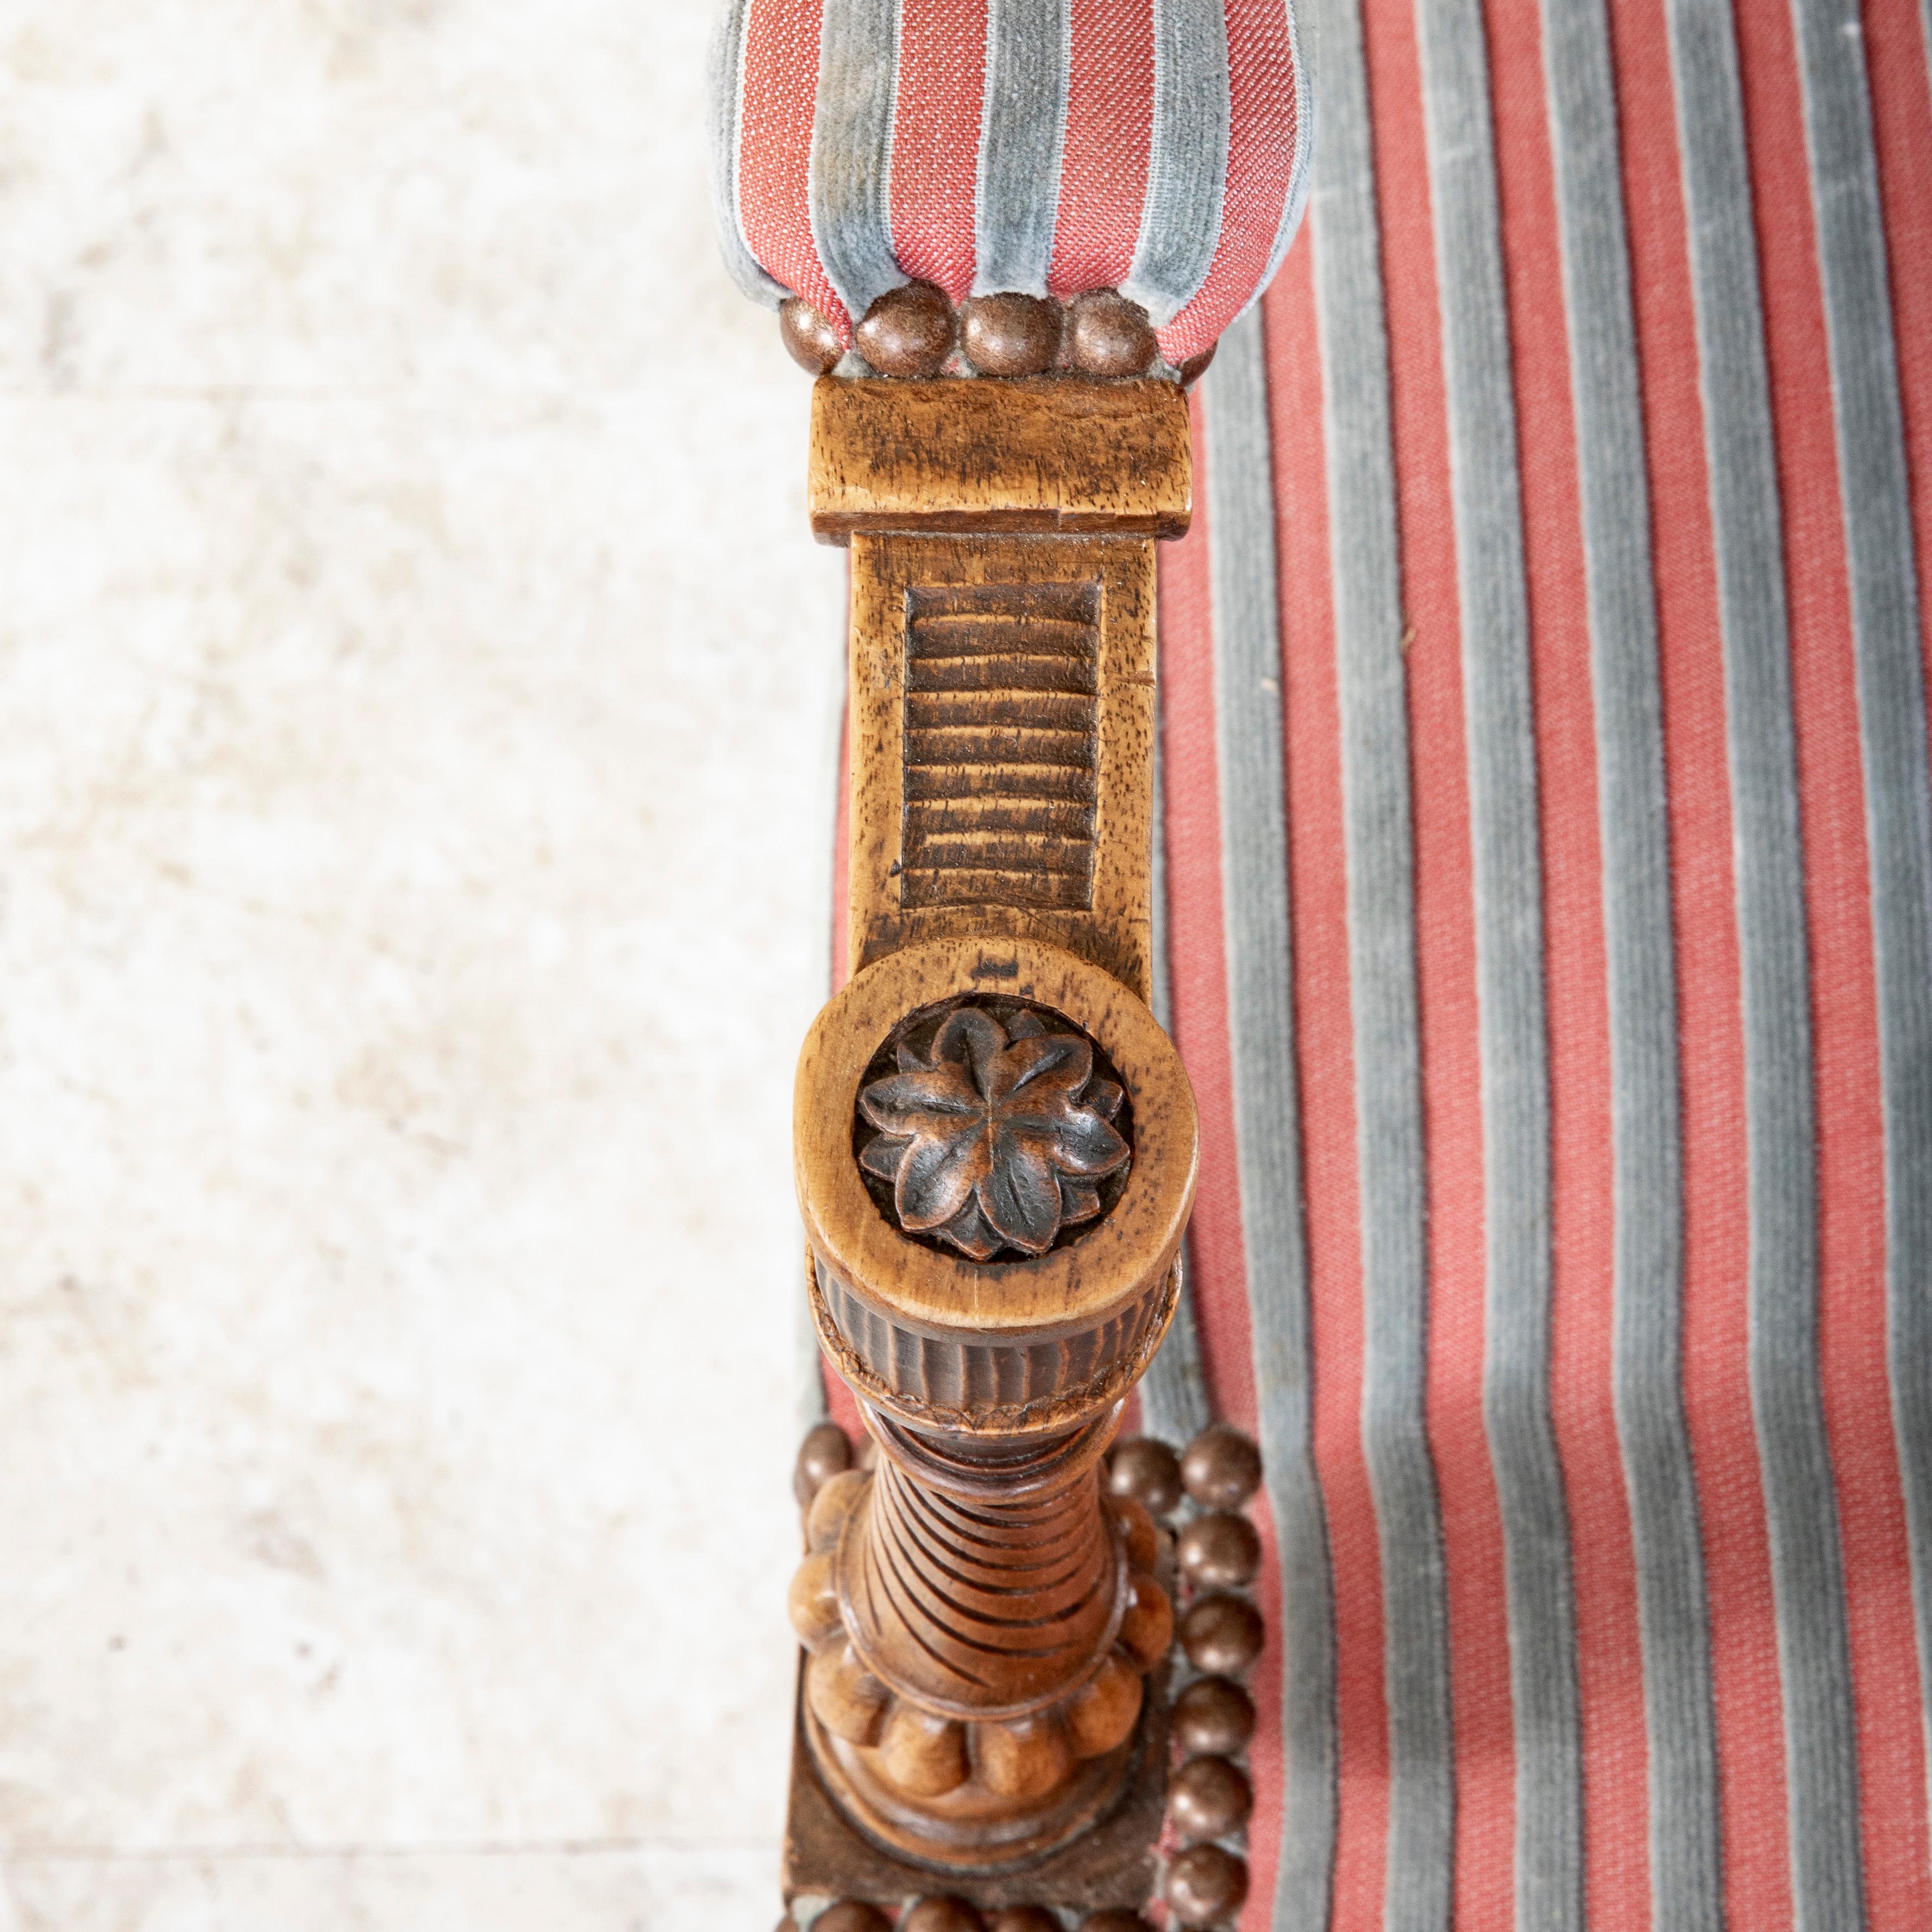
(1058, 455)
(994, 1385)
(1112, 1863)
(980, 1630)
(1070, 1291)
(1001, 743)
(995, 1143)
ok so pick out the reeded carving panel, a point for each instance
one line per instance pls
(1002, 741)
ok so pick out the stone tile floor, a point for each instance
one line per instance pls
(417, 689)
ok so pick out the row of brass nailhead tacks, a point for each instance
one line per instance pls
(915, 331)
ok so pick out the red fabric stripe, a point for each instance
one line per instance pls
(1902, 122)
(774, 149)
(1262, 143)
(1844, 1003)
(936, 140)
(1609, 1653)
(1446, 960)
(841, 1405)
(1318, 878)
(1717, 1393)
(1109, 129)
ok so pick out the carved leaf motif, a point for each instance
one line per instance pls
(996, 1137)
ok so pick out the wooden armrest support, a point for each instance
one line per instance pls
(1040, 456)
(996, 1144)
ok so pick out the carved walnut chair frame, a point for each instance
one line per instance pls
(995, 1147)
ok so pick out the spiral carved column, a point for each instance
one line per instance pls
(954, 1728)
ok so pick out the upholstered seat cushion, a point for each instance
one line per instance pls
(1044, 146)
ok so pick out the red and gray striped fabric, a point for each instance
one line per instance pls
(1549, 876)
(1045, 146)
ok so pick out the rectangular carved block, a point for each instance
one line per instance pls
(1001, 744)
(1055, 455)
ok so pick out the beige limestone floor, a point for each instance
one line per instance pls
(415, 684)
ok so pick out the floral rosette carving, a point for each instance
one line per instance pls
(997, 1136)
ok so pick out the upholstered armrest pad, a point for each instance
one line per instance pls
(1047, 146)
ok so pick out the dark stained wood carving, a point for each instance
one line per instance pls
(995, 1143)
(1011, 1346)
(1110, 1864)
(953, 1381)
(992, 1131)
(953, 1729)
(1209, 1795)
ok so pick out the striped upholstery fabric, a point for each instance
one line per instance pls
(1044, 146)
(1548, 884)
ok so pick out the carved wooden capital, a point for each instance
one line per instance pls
(1006, 1345)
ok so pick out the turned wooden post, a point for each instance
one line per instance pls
(995, 1142)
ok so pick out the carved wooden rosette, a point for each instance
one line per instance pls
(995, 1142)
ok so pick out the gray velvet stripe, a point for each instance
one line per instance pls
(1187, 158)
(1022, 136)
(1687, 1887)
(724, 81)
(1892, 715)
(1261, 1021)
(851, 185)
(1807, 1567)
(1371, 687)
(1499, 712)
(1173, 1392)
